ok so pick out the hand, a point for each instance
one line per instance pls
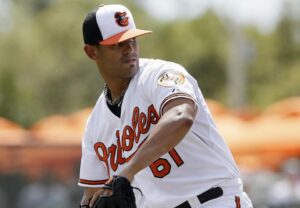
(101, 192)
(117, 193)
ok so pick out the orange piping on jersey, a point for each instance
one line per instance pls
(238, 202)
(172, 97)
(89, 182)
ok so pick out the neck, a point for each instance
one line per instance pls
(117, 88)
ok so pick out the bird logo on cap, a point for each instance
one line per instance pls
(121, 19)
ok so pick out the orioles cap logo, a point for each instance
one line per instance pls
(121, 19)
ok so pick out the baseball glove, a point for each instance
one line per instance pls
(122, 196)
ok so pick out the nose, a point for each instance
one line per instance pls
(130, 46)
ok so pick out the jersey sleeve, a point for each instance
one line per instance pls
(167, 82)
(93, 172)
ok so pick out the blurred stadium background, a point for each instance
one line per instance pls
(245, 56)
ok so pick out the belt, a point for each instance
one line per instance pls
(210, 194)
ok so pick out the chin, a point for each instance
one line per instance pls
(133, 66)
(133, 71)
(130, 69)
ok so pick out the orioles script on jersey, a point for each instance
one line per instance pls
(130, 135)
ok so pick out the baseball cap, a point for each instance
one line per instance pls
(110, 24)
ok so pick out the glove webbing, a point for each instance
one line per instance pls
(109, 186)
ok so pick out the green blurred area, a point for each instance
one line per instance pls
(43, 69)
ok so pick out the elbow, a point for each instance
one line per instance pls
(186, 116)
(185, 119)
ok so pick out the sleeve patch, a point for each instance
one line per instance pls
(171, 79)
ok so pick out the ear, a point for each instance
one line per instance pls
(90, 51)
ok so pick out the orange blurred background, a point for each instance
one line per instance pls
(258, 140)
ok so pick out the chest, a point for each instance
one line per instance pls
(116, 139)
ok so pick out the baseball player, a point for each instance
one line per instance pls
(151, 125)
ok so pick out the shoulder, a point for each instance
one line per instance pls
(156, 67)
(156, 64)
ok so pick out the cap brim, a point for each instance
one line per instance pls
(120, 37)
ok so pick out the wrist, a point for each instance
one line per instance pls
(127, 174)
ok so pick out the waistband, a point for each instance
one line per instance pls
(228, 187)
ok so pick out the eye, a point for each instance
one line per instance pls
(124, 43)
(114, 46)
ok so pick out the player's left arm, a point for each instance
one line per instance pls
(176, 120)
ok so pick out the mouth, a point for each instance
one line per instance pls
(130, 60)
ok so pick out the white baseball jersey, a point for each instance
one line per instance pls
(200, 161)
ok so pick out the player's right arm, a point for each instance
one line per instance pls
(93, 173)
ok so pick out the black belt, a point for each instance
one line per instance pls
(210, 194)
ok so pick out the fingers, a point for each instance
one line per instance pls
(103, 192)
(95, 197)
(107, 192)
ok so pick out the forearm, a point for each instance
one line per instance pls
(168, 132)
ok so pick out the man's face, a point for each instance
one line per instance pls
(120, 61)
